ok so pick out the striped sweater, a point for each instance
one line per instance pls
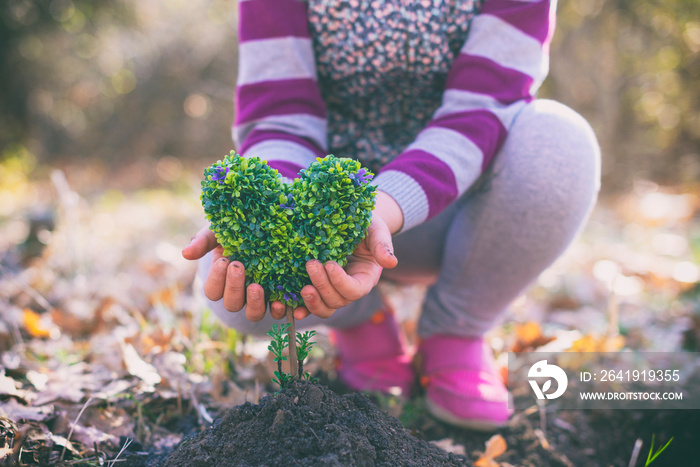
(281, 115)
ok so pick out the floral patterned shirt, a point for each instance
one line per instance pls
(382, 68)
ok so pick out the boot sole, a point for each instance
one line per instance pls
(472, 424)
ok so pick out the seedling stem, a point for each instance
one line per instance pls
(291, 337)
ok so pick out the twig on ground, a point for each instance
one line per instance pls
(542, 439)
(70, 433)
(202, 414)
(525, 413)
(126, 445)
(635, 452)
(543, 416)
(314, 433)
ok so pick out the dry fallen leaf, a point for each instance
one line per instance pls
(529, 336)
(112, 389)
(16, 411)
(64, 443)
(90, 436)
(495, 446)
(5, 454)
(33, 324)
(113, 420)
(72, 382)
(449, 445)
(157, 338)
(591, 343)
(138, 367)
(165, 296)
(7, 384)
(586, 348)
(77, 325)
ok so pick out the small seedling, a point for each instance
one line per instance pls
(282, 379)
(280, 335)
(304, 347)
(653, 455)
(279, 342)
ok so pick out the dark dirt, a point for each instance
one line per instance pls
(308, 425)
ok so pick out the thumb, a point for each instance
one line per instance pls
(380, 244)
(201, 244)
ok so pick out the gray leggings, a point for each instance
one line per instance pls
(485, 249)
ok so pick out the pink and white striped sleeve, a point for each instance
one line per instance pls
(280, 115)
(498, 70)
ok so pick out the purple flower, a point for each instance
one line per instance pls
(290, 200)
(220, 174)
(360, 177)
(290, 296)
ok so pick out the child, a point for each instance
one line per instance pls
(481, 187)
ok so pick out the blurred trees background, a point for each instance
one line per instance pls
(118, 83)
(151, 82)
(632, 68)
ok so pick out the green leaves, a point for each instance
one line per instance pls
(280, 341)
(304, 344)
(283, 379)
(274, 228)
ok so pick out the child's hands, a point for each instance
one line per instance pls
(226, 279)
(333, 287)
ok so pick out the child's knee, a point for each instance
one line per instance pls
(566, 136)
(562, 151)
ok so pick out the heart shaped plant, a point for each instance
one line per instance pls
(274, 227)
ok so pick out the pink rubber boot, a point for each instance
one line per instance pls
(462, 383)
(373, 356)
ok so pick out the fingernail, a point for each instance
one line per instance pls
(255, 293)
(237, 270)
(312, 268)
(306, 297)
(329, 267)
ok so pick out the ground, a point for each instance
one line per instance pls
(107, 352)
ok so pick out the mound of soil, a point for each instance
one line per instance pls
(308, 425)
